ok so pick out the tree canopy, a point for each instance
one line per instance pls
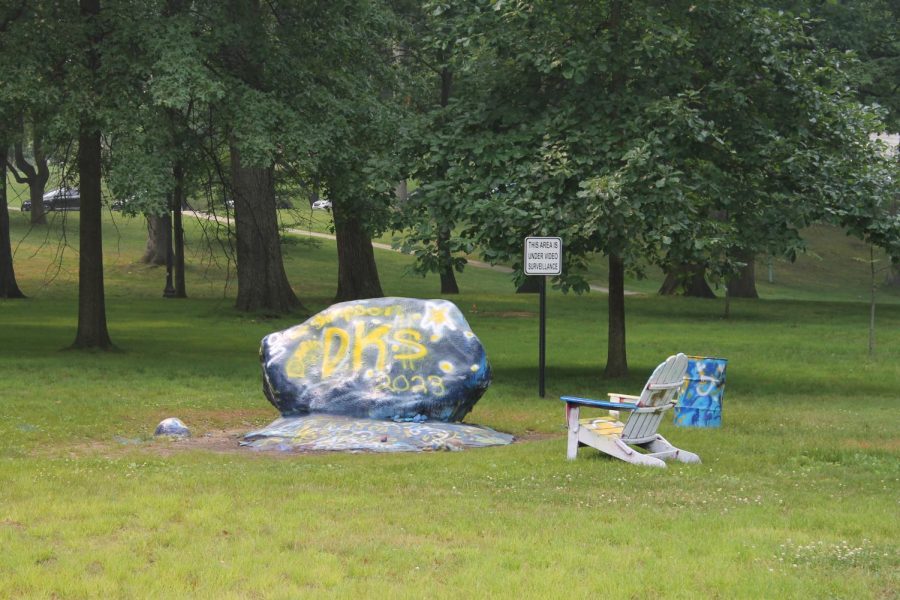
(650, 132)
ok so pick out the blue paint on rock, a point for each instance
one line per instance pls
(400, 359)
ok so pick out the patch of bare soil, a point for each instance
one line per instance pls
(217, 431)
(883, 445)
(223, 441)
(508, 314)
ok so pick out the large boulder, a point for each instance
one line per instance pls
(402, 359)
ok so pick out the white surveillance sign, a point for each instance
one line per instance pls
(543, 256)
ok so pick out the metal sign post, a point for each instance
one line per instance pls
(543, 256)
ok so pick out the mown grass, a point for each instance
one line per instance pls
(796, 497)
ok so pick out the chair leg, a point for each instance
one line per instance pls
(572, 447)
(622, 451)
(661, 444)
(572, 424)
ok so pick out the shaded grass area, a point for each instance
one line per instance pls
(796, 497)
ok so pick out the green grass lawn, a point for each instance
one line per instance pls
(797, 495)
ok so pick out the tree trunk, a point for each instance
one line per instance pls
(874, 288)
(262, 281)
(8, 286)
(357, 271)
(690, 280)
(616, 360)
(40, 184)
(744, 284)
(34, 176)
(178, 233)
(448, 277)
(155, 252)
(172, 9)
(92, 331)
(36, 195)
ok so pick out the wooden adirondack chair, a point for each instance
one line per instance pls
(646, 411)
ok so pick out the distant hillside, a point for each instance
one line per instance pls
(834, 268)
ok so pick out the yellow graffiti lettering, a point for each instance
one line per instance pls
(410, 338)
(296, 366)
(382, 383)
(331, 358)
(362, 341)
(418, 387)
(401, 383)
(437, 385)
(323, 319)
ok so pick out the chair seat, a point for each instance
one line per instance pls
(608, 426)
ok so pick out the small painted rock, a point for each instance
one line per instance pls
(172, 427)
(401, 359)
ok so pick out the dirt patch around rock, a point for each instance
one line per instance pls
(218, 432)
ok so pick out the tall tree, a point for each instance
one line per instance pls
(357, 164)
(262, 281)
(437, 41)
(9, 288)
(92, 330)
(555, 135)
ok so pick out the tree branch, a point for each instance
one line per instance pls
(23, 164)
(15, 173)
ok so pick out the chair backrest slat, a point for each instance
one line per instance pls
(661, 387)
(665, 381)
(641, 425)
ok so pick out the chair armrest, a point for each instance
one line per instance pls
(598, 403)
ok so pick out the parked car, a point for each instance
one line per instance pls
(321, 205)
(61, 199)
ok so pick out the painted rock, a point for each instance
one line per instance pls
(172, 427)
(401, 359)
